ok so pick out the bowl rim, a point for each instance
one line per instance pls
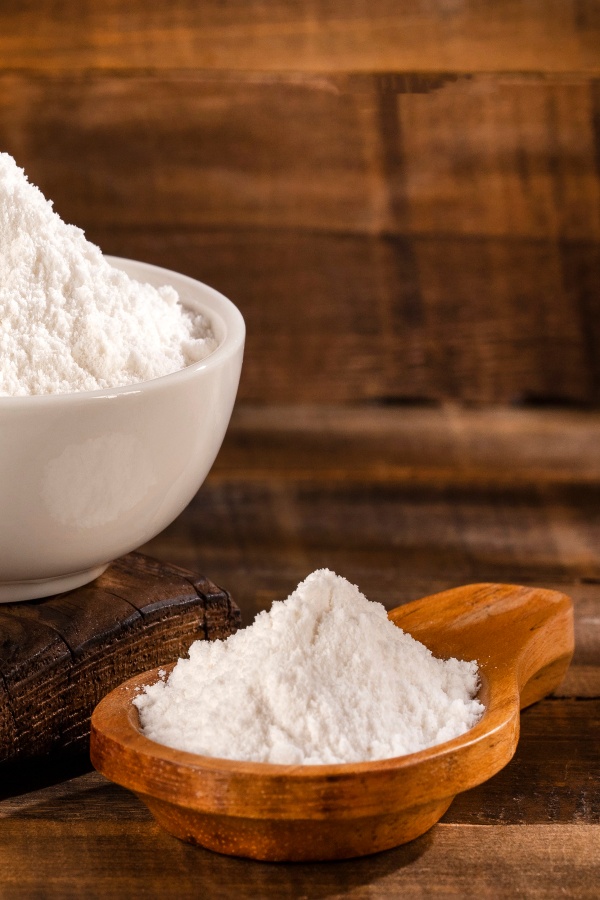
(139, 743)
(211, 299)
(216, 785)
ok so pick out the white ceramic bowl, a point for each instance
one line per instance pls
(86, 477)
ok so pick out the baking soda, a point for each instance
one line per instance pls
(69, 321)
(323, 677)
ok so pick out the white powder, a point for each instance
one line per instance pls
(69, 321)
(323, 677)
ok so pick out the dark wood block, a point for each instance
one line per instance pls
(59, 656)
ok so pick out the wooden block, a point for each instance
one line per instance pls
(59, 656)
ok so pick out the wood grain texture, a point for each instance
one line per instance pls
(445, 229)
(421, 180)
(415, 318)
(490, 446)
(507, 494)
(559, 36)
(61, 655)
(125, 854)
(553, 777)
(483, 156)
(404, 501)
(400, 500)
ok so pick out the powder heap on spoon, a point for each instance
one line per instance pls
(323, 677)
(69, 321)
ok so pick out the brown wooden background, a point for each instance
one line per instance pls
(402, 197)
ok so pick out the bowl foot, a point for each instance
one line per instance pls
(285, 840)
(15, 591)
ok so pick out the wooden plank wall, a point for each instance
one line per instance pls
(420, 182)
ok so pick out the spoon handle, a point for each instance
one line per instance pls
(526, 630)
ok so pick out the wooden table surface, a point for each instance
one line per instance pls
(403, 501)
(420, 181)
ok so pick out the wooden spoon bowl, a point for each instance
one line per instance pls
(522, 639)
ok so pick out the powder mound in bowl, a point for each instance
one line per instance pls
(69, 321)
(323, 677)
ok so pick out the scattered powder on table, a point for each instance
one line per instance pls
(323, 677)
(69, 321)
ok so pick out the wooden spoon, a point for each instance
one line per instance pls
(522, 639)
